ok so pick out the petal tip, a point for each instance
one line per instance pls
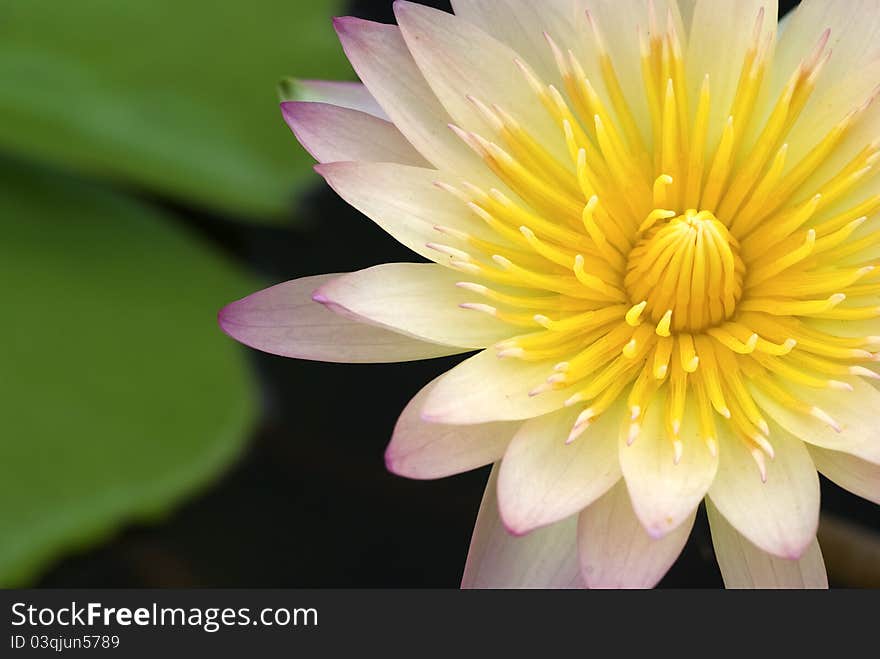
(657, 532)
(795, 552)
(343, 23)
(226, 317)
(517, 530)
(391, 460)
(325, 170)
(517, 526)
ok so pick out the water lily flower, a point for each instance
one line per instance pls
(656, 223)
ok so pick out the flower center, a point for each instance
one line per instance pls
(688, 271)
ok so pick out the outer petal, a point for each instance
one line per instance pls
(430, 450)
(856, 89)
(417, 299)
(857, 476)
(485, 388)
(616, 552)
(344, 94)
(854, 27)
(780, 515)
(404, 201)
(380, 57)
(855, 412)
(460, 60)
(743, 565)
(665, 494)
(283, 320)
(542, 480)
(848, 79)
(521, 25)
(546, 558)
(331, 133)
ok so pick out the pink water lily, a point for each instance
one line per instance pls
(655, 222)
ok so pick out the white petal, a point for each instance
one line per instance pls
(330, 134)
(780, 515)
(854, 411)
(405, 202)
(284, 320)
(417, 299)
(854, 26)
(858, 88)
(458, 59)
(430, 450)
(858, 476)
(848, 79)
(546, 558)
(351, 95)
(663, 493)
(720, 35)
(521, 24)
(543, 480)
(380, 57)
(485, 388)
(616, 552)
(743, 565)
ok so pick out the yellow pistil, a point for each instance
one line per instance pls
(688, 267)
(656, 266)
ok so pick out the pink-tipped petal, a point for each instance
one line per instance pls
(546, 558)
(382, 61)
(522, 24)
(459, 60)
(743, 565)
(485, 388)
(543, 480)
(428, 450)
(849, 25)
(417, 299)
(284, 320)
(780, 515)
(331, 134)
(405, 201)
(344, 94)
(616, 551)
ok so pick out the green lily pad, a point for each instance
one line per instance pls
(176, 97)
(119, 395)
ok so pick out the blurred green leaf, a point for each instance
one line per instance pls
(175, 96)
(119, 393)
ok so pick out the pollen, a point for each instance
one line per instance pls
(679, 263)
